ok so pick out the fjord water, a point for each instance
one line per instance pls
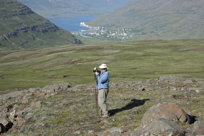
(72, 24)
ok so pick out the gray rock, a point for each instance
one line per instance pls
(169, 111)
(25, 100)
(198, 128)
(78, 88)
(38, 104)
(11, 95)
(57, 87)
(51, 90)
(28, 117)
(12, 116)
(33, 90)
(162, 127)
(4, 121)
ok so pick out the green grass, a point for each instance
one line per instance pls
(127, 61)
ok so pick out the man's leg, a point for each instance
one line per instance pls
(102, 97)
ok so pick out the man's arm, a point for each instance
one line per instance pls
(104, 77)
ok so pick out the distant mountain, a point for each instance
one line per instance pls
(155, 19)
(70, 8)
(20, 27)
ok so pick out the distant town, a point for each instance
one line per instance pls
(119, 33)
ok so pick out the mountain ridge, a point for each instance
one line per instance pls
(23, 28)
(157, 19)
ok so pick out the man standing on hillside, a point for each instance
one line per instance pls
(102, 77)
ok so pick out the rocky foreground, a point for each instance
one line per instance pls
(163, 106)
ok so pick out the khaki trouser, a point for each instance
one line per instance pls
(102, 98)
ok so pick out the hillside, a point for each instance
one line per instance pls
(68, 110)
(51, 91)
(155, 19)
(130, 60)
(22, 28)
(70, 8)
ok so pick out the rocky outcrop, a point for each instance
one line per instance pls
(161, 120)
(160, 127)
(42, 28)
(169, 111)
(198, 128)
(17, 107)
(167, 83)
(22, 10)
(23, 28)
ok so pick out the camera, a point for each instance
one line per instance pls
(95, 70)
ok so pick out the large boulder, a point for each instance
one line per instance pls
(4, 121)
(198, 128)
(18, 107)
(169, 111)
(159, 127)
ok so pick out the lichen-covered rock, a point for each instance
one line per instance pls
(51, 90)
(18, 107)
(198, 128)
(57, 87)
(159, 127)
(4, 121)
(169, 111)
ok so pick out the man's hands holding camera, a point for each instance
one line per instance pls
(95, 70)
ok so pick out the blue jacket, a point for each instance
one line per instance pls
(103, 80)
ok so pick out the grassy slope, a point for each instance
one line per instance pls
(14, 16)
(128, 61)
